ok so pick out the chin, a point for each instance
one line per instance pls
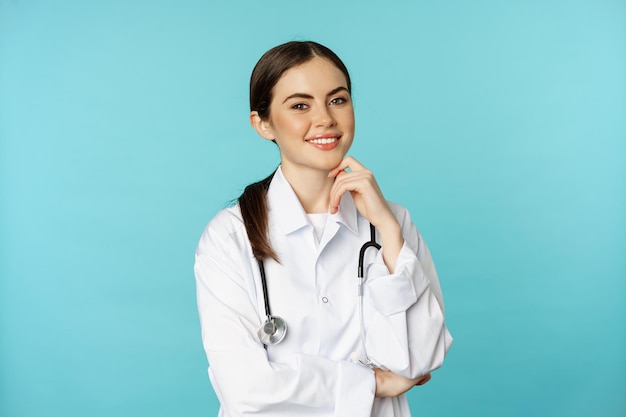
(331, 163)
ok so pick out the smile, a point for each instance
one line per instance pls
(323, 141)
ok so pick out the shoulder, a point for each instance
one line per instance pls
(401, 213)
(410, 232)
(396, 208)
(226, 220)
(225, 230)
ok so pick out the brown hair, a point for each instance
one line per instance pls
(272, 65)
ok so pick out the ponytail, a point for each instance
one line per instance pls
(253, 205)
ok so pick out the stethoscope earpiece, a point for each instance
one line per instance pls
(273, 331)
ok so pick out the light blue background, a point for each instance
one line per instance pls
(123, 130)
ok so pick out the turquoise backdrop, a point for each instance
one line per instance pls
(124, 129)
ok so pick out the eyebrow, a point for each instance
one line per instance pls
(308, 96)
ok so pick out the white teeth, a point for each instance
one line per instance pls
(322, 141)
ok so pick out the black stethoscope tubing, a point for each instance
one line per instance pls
(264, 284)
(371, 244)
(274, 328)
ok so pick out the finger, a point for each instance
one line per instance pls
(335, 200)
(361, 182)
(423, 380)
(358, 178)
(347, 162)
(335, 195)
(344, 183)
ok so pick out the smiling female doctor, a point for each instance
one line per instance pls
(287, 328)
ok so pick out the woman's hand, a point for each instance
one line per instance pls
(389, 384)
(360, 182)
(369, 200)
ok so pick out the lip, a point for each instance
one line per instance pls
(324, 136)
(325, 146)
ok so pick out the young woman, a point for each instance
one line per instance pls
(290, 249)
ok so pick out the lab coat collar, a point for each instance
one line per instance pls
(285, 208)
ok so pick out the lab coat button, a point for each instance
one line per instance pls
(324, 299)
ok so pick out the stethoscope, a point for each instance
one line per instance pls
(274, 329)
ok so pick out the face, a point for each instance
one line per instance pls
(311, 117)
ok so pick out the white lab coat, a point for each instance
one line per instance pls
(314, 288)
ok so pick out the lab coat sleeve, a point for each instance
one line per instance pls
(404, 312)
(245, 381)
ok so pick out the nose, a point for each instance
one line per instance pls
(323, 117)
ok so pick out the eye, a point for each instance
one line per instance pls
(338, 100)
(299, 106)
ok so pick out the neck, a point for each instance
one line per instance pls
(312, 187)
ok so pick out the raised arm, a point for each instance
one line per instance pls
(404, 314)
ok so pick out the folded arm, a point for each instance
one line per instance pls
(243, 377)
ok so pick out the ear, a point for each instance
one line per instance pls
(262, 127)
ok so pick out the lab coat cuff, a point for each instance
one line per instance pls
(357, 387)
(394, 293)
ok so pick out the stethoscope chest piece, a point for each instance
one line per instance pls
(273, 331)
